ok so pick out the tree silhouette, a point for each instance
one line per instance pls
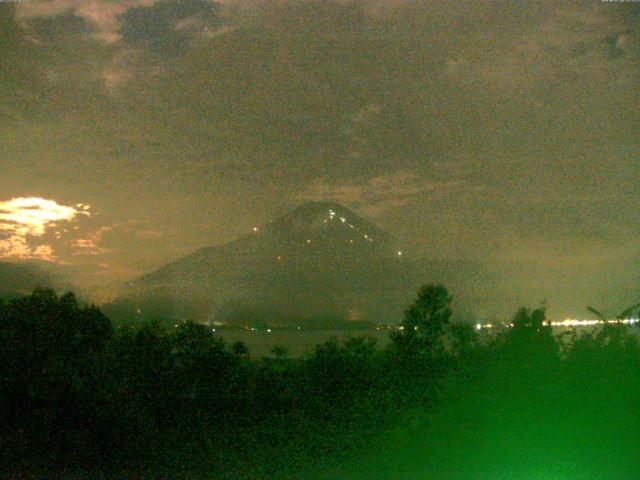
(526, 318)
(49, 374)
(626, 313)
(279, 351)
(612, 333)
(463, 338)
(530, 340)
(424, 322)
(239, 348)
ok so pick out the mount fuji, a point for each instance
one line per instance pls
(320, 262)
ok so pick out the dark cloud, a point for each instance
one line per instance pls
(50, 29)
(9, 29)
(165, 26)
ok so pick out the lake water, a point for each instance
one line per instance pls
(297, 343)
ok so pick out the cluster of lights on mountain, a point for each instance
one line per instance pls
(332, 216)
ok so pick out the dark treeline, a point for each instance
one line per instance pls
(82, 399)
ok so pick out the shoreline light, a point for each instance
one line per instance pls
(569, 322)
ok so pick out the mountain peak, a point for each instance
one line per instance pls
(327, 219)
(314, 208)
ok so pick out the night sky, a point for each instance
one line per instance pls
(500, 134)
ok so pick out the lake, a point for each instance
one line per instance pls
(297, 343)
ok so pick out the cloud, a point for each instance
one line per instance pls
(24, 220)
(119, 245)
(164, 27)
(379, 194)
(91, 243)
(66, 24)
(110, 238)
(110, 21)
(101, 14)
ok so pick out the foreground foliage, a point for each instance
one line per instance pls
(81, 399)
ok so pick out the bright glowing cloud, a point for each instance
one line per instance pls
(24, 219)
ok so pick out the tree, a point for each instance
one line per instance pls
(463, 338)
(279, 351)
(531, 336)
(613, 333)
(239, 348)
(526, 318)
(626, 313)
(425, 322)
(50, 372)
